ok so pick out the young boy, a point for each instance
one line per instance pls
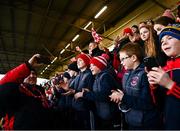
(135, 99)
(83, 80)
(169, 76)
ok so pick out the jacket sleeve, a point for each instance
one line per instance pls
(175, 90)
(143, 101)
(17, 74)
(86, 82)
(171, 67)
(102, 95)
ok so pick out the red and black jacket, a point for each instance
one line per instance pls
(169, 100)
(20, 111)
(9, 92)
(173, 68)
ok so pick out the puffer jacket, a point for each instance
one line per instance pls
(102, 87)
(83, 80)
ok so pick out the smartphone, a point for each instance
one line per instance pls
(43, 60)
(150, 62)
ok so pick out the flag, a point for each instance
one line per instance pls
(96, 37)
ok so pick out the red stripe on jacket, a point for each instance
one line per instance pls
(171, 66)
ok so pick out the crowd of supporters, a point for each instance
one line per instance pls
(103, 89)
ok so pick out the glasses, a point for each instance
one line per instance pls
(124, 58)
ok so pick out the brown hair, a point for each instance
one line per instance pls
(163, 20)
(133, 49)
(150, 45)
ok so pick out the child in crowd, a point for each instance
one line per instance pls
(135, 100)
(83, 80)
(169, 76)
(102, 87)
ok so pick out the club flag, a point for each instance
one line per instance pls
(96, 36)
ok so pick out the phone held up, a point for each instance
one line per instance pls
(43, 60)
(150, 62)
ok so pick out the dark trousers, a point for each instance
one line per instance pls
(81, 120)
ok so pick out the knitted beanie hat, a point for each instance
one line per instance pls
(99, 61)
(173, 31)
(73, 66)
(85, 57)
(106, 56)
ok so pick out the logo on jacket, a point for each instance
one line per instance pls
(134, 81)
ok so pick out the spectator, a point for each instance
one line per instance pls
(150, 22)
(73, 69)
(135, 99)
(73, 72)
(168, 77)
(23, 104)
(151, 46)
(65, 101)
(83, 80)
(94, 49)
(142, 23)
(119, 43)
(161, 23)
(62, 105)
(135, 37)
(66, 77)
(168, 13)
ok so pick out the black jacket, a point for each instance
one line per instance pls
(83, 80)
(102, 87)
